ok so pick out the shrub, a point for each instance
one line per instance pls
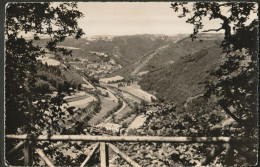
(42, 87)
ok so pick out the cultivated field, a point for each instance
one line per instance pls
(137, 122)
(49, 60)
(107, 104)
(135, 90)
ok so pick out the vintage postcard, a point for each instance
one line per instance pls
(131, 84)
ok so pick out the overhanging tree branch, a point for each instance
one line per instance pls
(213, 30)
(224, 106)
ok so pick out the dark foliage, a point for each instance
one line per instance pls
(21, 54)
(29, 107)
(235, 82)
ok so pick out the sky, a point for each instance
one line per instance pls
(129, 18)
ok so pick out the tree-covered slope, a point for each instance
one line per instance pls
(124, 49)
(184, 76)
(53, 78)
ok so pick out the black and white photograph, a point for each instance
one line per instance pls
(140, 84)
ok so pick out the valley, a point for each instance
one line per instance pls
(164, 72)
(117, 93)
(130, 84)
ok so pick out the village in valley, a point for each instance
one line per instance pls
(120, 98)
(130, 84)
(111, 95)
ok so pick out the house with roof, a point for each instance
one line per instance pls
(110, 126)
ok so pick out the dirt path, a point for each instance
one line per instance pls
(89, 84)
(143, 62)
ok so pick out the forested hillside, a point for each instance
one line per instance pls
(182, 69)
(124, 49)
(53, 78)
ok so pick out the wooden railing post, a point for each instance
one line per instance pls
(15, 148)
(213, 154)
(104, 158)
(230, 154)
(45, 158)
(27, 153)
(90, 155)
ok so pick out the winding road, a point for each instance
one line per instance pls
(91, 98)
(119, 110)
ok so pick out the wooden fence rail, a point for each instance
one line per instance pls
(104, 143)
(131, 139)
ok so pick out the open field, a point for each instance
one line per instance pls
(117, 112)
(77, 96)
(130, 98)
(107, 104)
(111, 79)
(79, 100)
(135, 90)
(137, 122)
(129, 119)
(50, 61)
(121, 114)
(82, 103)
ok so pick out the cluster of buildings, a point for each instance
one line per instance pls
(101, 69)
(97, 69)
(110, 126)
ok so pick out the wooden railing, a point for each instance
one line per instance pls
(103, 142)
